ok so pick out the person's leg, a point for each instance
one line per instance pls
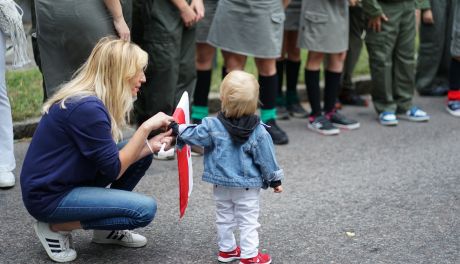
(204, 58)
(292, 75)
(348, 95)
(332, 83)
(431, 49)
(268, 82)
(233, 61)
(247, 214)
(104, 209)
(332, 80)
(162, 40)
(281, 111)
(404, 59)
(380, 46)
(453, 96)
(312, 74)
(186, 81)
(225, 219)
(7, 161)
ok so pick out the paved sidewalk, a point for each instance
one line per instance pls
(375, 195)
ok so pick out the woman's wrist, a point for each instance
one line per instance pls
(148, 146)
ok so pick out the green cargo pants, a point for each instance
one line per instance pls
(434, 53)
(171, 66)
(355, 44)
(391, 58)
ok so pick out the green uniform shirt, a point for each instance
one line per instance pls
(372, 8)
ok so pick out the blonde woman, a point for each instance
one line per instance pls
(74, 155)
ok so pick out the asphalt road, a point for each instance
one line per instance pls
(375, 195)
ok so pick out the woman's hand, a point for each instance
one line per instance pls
(122, 28)
(160, 120)
(163, 138)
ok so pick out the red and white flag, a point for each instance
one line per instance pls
(184, 158)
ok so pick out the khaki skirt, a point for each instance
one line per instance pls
(293, 15)
(324, 26)
(67, 31)
(203, 26)
(248, 27)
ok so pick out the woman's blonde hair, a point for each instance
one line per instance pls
(107, 74)
(239, 93)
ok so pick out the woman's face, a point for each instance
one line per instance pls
(136, 82)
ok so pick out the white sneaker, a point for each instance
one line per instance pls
(56, 244)
(163, 154)
(7, 179)
(415, 114)
(124, 238)
(388, 119)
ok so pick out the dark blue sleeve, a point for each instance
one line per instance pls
(90, 128)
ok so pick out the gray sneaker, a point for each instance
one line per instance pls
(322, 125)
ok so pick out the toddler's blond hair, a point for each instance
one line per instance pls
(239, 93)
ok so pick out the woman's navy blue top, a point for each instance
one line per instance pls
(71, 147)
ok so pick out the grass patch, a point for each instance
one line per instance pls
(25, 93)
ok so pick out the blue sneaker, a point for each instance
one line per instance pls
(415, 114)
(388, 119)
(453, 107)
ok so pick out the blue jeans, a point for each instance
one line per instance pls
(114, 208)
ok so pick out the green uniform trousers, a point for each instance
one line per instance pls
(171, 67)
(391, 58)
(434, 53)
(355, 45)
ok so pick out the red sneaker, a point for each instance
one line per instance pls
(229, 256)
(261, 259)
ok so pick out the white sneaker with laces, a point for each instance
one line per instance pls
(163, 154)
(124, 238)
(415, 114)
(7, 179)
(57, 244)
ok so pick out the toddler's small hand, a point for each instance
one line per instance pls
(278, 189)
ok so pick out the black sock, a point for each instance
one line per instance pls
(224, 72)
(312, 84)
(330, 90)
(454, 74)
(268, 91)
(280, 73)
(292, 76)
(203, 84)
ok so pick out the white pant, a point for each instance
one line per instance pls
(237, 207)
(7, 162)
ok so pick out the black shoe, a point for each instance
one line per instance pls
(340, 121)
(296, 110)
(282, 113)
(279, 137)
(351, 98)
(436, 91)
(322, 125)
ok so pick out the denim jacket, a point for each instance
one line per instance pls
(248, 165)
